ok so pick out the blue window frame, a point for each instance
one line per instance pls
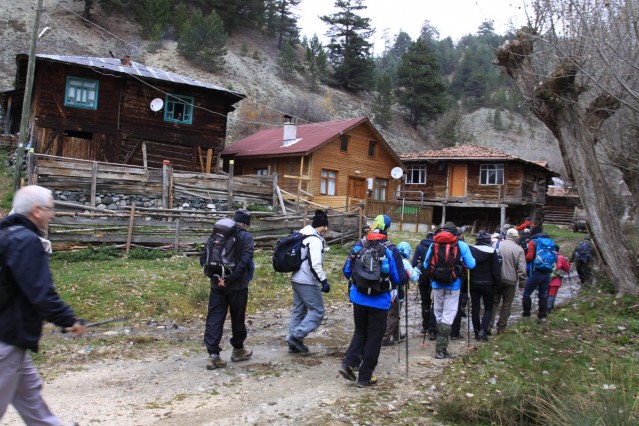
(81, 93)
(179, 109)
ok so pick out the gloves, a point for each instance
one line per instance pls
(393, 295)
(326, 287)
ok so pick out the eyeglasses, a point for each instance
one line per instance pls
(51, 209)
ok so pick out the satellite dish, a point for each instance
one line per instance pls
(397, 172)
(157, 104)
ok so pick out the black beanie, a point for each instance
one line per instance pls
(242, 216)
(483, 237)
(450, 227)
(320, 219)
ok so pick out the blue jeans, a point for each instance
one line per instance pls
(539, 281)
(308, 310)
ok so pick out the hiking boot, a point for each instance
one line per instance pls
(293, 350)
(241, 355)
(542, 320)
(298, 344)
(489, 332)
(483, 336)
(432, 335)
(448, 355)
(458, 337)
(440, 355)
(215, 362)
(423, 331)
(388, 342)
(402, 337)
(366, 383)
(347, 372)
(477, 336)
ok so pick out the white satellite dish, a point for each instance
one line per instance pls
(157, 104)
(397, 173)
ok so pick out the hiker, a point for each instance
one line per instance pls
(230, 294)
(561, 268)
(526, 224)
(371, 299)
(308, 283)
(513, 272)
(428, 318)
(483, 279)
(28, 299)
(583, 257)
(446, 281)
(541, 257)
(393, 334)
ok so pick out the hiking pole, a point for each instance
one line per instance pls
(468, 308)
(406, 322)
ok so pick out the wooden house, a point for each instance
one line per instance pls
(120, 111)
(473, 183)
(334, 163)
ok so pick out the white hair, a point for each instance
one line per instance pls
(30, 196)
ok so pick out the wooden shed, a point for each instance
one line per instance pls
(121, 111)
(333, 163)
(471, 183)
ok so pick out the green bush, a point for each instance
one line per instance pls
(149, 254)
(88, 254)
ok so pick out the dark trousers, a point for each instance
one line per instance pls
(370, 324)
(428, 316)
(479, 294)
(221, 301)
(539, 281)
(584, 270)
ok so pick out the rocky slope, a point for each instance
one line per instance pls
(250, 69)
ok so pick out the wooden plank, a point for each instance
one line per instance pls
(281, 200)
(209, 158)
(130, 233)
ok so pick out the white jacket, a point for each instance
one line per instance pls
(315, 245)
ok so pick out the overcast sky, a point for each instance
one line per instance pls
(454, 18)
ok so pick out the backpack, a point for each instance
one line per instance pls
(445, 262)
(7, 290)
(221, 255)
(583, 254)
(370, 268)
(500, 258)
(545, 255)
(287, 256)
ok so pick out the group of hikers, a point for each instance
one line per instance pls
(444, 266)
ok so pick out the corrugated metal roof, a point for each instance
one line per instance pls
(137, 69)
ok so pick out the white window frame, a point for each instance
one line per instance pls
(421, 169)
(491, 174)
(261, 171)
(380, 186)
(328, 182)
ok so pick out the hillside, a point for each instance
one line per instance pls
(250, 69)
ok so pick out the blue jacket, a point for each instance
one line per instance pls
(467, 259)
(397, 275)
(25, 265)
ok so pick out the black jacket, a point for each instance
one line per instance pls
(419, 256)
(244, 267)
(487, 269)
(25, 264)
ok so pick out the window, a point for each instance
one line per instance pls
(491, 174)
(343, 143)
(379, 189)
(81, 93)
(372, 145)
(416, 174)
(179, 109)
(328, 182)
(261, 172)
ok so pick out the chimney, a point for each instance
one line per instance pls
(290, 131)
(126, 61)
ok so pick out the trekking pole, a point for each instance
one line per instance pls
(468, 309)
(406, 322)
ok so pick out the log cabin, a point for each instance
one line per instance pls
(474, 184)
(333, 163)
(120, 111)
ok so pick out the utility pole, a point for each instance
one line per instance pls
(26, 101)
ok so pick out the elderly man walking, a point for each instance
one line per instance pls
(513, 272)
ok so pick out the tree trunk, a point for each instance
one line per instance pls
(555, 101)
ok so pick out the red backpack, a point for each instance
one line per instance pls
(445, 264)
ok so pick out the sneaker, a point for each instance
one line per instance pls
(364, 383)
(448, 354)
(298, 344)
(347, 372)
(402, 337)
(215, 362)
(388, 342)
(241, 355)
(432, 335)
(542, 320)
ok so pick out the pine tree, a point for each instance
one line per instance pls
(154, 16)
(202, 39)
(281, 21)
(422, 92)
(286, 61)
(316, 61)
(349, 49)
(383, 101)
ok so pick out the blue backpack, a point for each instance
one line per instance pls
(583, 254)
(545, 255)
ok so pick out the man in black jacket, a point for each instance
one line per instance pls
(484, 278)
(428, 317)
(231, 294)
(28, 299)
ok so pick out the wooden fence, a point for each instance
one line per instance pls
(401, 212)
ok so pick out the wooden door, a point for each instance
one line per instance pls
(356, 187)
(457, 184)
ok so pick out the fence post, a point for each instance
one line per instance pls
(306, 215)
(165, 183)
(94, 181)
(130, 233)
(275, 192)
(359, 222)
(230, 197)
(177, 234)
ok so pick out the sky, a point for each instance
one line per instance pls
(454, 18)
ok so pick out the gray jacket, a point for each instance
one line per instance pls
(314, 245)
(513, 267)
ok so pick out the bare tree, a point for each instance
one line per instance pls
(576, 66)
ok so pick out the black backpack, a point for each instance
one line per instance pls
(445, 262)
(369, 268)
(287, 256)
(8, 290)
(221, 254)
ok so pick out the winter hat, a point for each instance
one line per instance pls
(404, 249)
(450, 227)
(557, 248)
(430, 234)
(387, 222)
(496, 236)
(381, 222)
(242, 216)
(527, 231)
(320, 219)
(512, 232)
(483, 237)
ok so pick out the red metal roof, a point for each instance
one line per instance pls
(310, 137)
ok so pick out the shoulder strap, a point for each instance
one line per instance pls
(308, 256)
